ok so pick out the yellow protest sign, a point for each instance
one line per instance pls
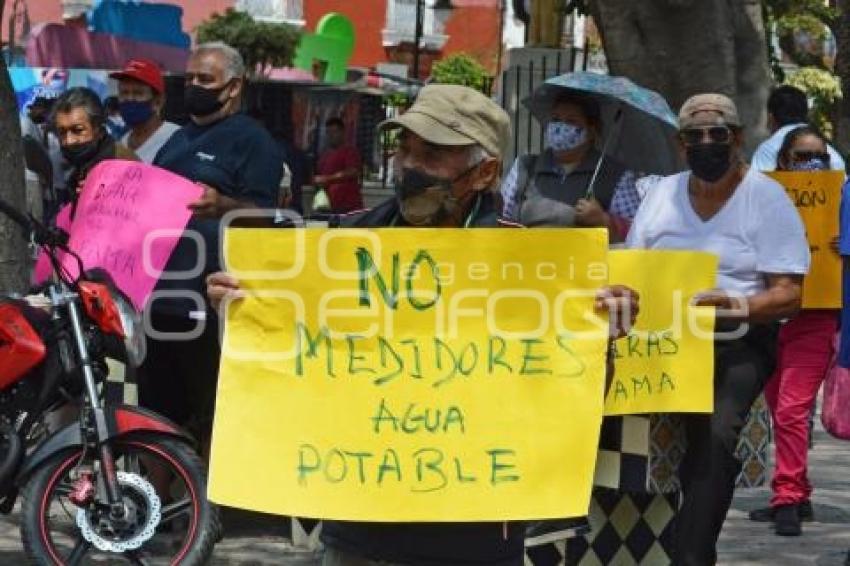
(411, 374)
(666, 363)
(817, 196)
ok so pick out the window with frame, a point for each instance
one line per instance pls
(401, 24)
(277, 11)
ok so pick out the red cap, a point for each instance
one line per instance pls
(142, 70)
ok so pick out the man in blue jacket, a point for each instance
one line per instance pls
(239, 166)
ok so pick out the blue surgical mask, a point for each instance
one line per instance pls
(813, 164)
(563, 136)
(136, 112)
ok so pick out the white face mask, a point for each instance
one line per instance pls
(563, 136)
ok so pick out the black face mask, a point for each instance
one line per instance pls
(709, 161)
(425, 200)
(80, 153)
(200, 101)
(414, 182)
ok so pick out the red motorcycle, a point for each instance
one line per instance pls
(117, 484)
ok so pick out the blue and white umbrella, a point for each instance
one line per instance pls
(638, 126)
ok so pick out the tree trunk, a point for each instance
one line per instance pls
(13, 250)
(684, 47)
(842, 68)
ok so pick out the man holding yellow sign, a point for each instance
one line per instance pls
(746, 219)
(481, 373)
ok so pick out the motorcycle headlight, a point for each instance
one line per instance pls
(134, 331)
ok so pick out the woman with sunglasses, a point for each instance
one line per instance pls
(805, 349)
(722, 206)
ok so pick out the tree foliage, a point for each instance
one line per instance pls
(262, 44)
(460, 69)
(802, 27)
(824, 12)
(823, 88)
(792, 30)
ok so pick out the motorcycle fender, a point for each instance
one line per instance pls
(68, 437)
(120, 420)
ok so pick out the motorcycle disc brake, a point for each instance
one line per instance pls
(140, 486)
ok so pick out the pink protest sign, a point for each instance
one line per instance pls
(124, 208)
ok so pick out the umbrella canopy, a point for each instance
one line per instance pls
(638, 126)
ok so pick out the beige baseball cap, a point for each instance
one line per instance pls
(721, 105)
(456, 115)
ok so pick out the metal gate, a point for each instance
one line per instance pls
(518, 81)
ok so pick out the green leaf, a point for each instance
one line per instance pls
(258, 42)
(460, 69)
(823, 88)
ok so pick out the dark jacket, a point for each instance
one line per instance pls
(387, 214)
(426, 544)
(107, 148)
(239, 159)
(546, 195)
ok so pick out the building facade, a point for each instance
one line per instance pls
(384, 28)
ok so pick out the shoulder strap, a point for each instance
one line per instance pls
(606, 184)
(527, 164)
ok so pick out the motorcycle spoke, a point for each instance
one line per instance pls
(69, 515)
(80, 550)
(135, 557)
(64, 490)
(61, 493)
(173, 510)
(132, 464)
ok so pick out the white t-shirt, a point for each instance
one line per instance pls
(148, 150)
(758, 231)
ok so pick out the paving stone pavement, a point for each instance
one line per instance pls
(259, 540)
(824, 542)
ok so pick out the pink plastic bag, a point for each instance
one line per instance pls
(835, 411)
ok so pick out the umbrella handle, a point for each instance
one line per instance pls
(617, 117)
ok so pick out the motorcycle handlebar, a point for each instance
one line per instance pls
(41, 234)
(50, 239)
(17, 217)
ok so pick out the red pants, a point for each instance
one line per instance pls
(805, 348)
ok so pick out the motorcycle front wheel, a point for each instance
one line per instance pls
(167, 518)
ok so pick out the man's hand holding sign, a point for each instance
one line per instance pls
(666, 363)
(214, 204)
(428, 363)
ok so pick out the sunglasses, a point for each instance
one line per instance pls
(716, 134)
(803, 156)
